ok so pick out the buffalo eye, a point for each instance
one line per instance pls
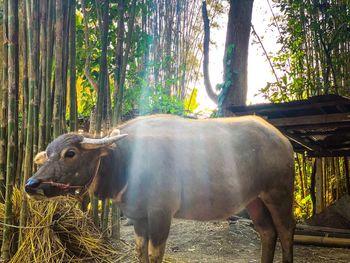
(69, 154)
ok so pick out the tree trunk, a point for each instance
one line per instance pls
(234, 90)
(206, 41)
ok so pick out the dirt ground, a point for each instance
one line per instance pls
(214, 242)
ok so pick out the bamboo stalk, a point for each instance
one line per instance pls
(94, 209)
(72, 50)
(12, 124)
(43, 72)
(21, 108)
(88, 47)
(24, 54)
(118, 58)
(105, 217)
(93, 198)
(49, 60)
(102, 91)
(3, 123)
(125, 60)
(57, 107)
(32, 86)
(36, 62)
(65, 60)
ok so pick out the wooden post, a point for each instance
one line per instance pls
(347, 175)
(312, 186)
(115, 221)
(319, 185)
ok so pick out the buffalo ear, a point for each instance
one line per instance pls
(40, 158)
(90, 144)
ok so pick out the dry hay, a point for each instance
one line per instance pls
(58, 231)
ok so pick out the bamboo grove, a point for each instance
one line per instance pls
(66, 60)
(314, 54)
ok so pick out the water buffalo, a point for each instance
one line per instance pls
(169, 167)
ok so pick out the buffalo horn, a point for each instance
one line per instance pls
(90, 143)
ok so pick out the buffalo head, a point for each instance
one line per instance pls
(69, 164)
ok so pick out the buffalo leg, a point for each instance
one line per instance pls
(280, 206)
(264, 225)
(141, 239)
(158, 229)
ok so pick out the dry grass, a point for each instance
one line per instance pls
(58, 231)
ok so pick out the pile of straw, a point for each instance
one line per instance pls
(58, 231)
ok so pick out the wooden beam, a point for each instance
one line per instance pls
(323, 229)
(342, 131)
(339, 153)
(322, 240)
(307, 145)
(337, 147)
(265, 109)
(316, 126)
(314, 119)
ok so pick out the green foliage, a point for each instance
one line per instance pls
(147, 100)
(313, 58)
(229, 78)
(302, 198)
(86, 98)
(190, 102)
(303, 208)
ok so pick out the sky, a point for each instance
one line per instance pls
(259, 71)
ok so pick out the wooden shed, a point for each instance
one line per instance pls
(319, 126)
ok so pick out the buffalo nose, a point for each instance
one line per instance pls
(31, 185)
